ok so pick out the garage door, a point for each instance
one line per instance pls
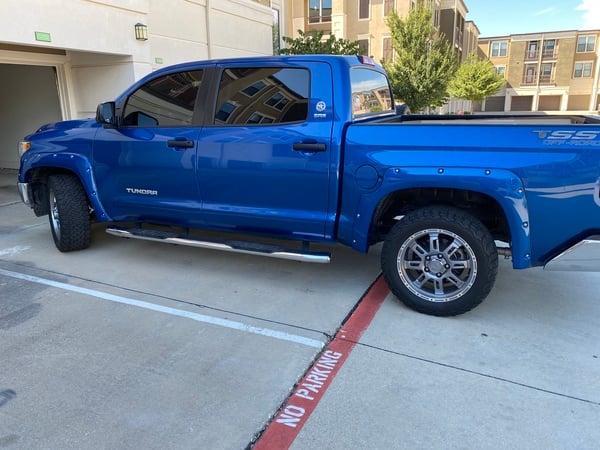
(521, 103)
(29, 98)
(495, 103)
(579, 102)
(550, 103)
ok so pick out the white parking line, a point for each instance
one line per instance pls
(174, 312)
(14, 250)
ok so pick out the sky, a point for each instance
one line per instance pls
(532, 16)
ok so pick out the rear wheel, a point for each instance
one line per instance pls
(69, 213)
(440, 261)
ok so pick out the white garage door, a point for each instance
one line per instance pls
(28, 98)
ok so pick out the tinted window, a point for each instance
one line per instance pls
(370, 92)
(252, 96)
(165, 101)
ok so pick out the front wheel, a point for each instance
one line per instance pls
(69, 213)
(440, 260)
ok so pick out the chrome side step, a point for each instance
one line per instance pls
(249, 248)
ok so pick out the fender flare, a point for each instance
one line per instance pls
(78, 165)
(502, 185)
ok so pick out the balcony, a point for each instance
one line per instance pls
(532, 55)
(547, 80)
(532, 80)
(549, 54)
(458, 37)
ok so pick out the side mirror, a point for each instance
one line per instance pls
(402, 109)
(139, 119)
(105, 114)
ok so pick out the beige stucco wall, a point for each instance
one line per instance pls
(100, 55)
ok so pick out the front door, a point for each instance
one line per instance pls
(145, 169)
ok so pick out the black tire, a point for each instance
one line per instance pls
(69, 213)
(440, 260)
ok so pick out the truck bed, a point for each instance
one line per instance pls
(500, 119)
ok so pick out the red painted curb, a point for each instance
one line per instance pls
(285, 427)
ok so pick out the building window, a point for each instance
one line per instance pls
(319, 11)
(549, 47)
(546, 71)
(257, 118)
(363, 46)
(586, 44)
(388, 51)
(499, 48)
(388, 7)
(225, 111)
(364, 9)
(530, 74)
(501, 70)
(583, 70)
(532, 49)
(278, 101)
(254, 89)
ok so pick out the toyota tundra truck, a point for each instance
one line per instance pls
(310, 149)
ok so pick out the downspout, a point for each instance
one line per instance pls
(594, 103)
(208, 33)
(454, 37)
(538, 73)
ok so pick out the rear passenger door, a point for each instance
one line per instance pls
(264, 160)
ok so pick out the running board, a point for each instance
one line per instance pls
(249, 248)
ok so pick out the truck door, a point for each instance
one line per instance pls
(145, 168)
(265, 160)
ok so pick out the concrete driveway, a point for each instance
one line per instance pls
(132, 344)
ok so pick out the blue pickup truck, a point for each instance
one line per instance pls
(311, 149)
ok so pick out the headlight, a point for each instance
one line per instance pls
(23, 147)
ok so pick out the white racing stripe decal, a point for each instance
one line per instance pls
(172, 311)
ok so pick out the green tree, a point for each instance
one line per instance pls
(475, 80)
(313, 43)
(424, 64)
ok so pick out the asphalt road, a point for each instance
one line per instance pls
(133, 344)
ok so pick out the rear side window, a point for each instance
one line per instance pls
(262, 96)
(167, 101)
(370, 92)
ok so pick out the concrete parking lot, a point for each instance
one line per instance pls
(132, 344)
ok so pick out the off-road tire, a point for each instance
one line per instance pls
(439, 260)
(69, 213)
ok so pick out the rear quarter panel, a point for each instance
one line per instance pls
(546, 177)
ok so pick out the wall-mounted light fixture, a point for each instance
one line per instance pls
(141, 32)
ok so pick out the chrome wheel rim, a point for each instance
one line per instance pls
(54, 216)
(437, 265)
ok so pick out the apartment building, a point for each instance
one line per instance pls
(460, 33)
(361, 20)
(555, 71)
(365, 21)
(58, 60)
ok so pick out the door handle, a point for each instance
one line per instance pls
(180, 143)
(309, 147)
